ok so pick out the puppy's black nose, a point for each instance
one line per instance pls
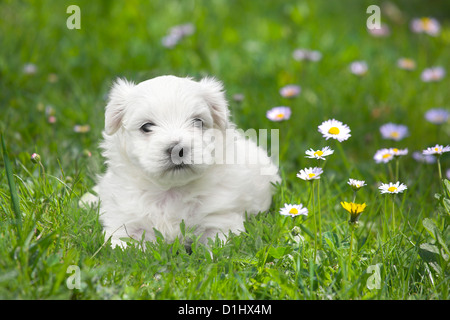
(176, 153)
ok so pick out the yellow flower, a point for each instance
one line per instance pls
(355, 209)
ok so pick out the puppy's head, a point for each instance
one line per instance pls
(161, 121)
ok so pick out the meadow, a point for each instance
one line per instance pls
(54, 83)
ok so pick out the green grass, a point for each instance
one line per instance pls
(248, 45)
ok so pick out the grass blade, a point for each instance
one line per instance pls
(12, 188)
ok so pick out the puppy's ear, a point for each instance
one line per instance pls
(214, 96)
(117, 105)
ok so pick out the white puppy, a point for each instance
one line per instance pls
(161, 168)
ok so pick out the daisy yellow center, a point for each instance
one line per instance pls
(395, 150)
(280, 115)
(333, 130)
(311, 175)
(408, 63)
(290, 92)
(293, 211)
(392, 189)
(395, 134)
(427, 24)
(386, 155)
(436, 149)
(318, 153)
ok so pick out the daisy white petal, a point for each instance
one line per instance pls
(319, 154)
(383, 156)
(310, 173)
(279, 113)
(437, 149)
(437, 115)
(293, 210)
(356, 184)
(394, 131)
(392, 187)
(334, 129)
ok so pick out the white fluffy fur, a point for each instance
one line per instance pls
(138, 193)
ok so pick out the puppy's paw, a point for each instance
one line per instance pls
(118, 243)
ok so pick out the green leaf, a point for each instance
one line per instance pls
(156, 255)
(431, 227)
(331, 240)
(183, 228)
(279, 252)
(435, 232)
(431, 255)
(447, 186)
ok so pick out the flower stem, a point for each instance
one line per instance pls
(393, 214)
(439, 167)
(318, 204)
(397, 160)
(315, 224)
(351, 245)
(344, 157)
(391, 174)
(385, 222)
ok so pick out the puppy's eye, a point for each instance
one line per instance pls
(147, 127)
(198, 123)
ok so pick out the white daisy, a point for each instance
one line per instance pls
(437, 115)
(382, 31)
(394, 131)
(293, 210)
(432, 74)
(319, 154)
(383, 155)
(176, 34)
(418, 156)
(279, 113)
(29, 68)
(406, 64)
(356, 184)
(290, 91)
(426, 25)
(437, 149)
(81, 128)
(334, 129)
(359, 68)
(398, 152)
(310, 173)
(392, 187)
(305, 54)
